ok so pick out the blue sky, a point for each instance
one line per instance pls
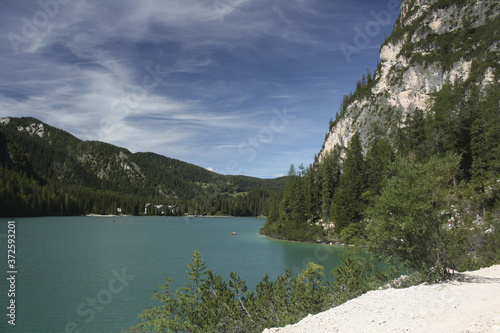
(235, 86)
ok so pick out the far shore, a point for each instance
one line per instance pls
(189, 216)
(106, 215)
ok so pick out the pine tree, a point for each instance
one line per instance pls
(441, 121)
(378, 158)
(416, 135)
(293, 216)
(330, 174)
(195, 276)
(314, 191)
(407, 220)
(485, 139)
(347, 205)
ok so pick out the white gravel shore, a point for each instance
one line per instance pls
(468, 303)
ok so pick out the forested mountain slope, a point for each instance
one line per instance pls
(46, 170)
(411, 164)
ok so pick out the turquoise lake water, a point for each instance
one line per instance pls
(95, 275)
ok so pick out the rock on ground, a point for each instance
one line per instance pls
(468, 303)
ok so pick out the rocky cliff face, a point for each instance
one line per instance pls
(433, 42)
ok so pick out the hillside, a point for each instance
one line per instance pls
(43, 156)
(433, 43)
(411, 165)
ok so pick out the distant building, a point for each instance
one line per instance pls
(162, 209)
(146, 208)
(173, 209)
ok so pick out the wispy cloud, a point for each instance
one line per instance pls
(191, 79)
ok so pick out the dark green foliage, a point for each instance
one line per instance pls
(23, 196)
(196, 272)
(294, 212)
(363, 89)
(485, 138)
(50, 172)
(461, 44)
(462, 124)
(324, 193)
(347, 206)
(293, 217)
(441, 121)
(407, 219)
(488, 249)
(351, 277)
(413, 139)
(257, 202)
(378, 158)
(314, 189)
(218, 305)
(358, 273)
(229, 306)
(330, 170)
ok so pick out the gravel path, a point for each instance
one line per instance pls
(468, 303)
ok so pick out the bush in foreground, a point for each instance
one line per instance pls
(208, 303)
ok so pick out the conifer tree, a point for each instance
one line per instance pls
(330, 174)
(441, 121)
(195, 276)
(416, 135)
(314, 190)
(293, 215)
(378, 158)
(406, 220)
(347, 206)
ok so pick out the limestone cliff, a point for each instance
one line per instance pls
(433, 42)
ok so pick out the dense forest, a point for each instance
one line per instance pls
(436, 175)
(46, 171)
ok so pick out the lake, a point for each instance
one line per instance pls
(96, 274)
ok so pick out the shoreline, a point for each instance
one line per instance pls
(309, 242)
(190, 216)
(104, 215)
(468, 302)
(318, 242)
(125, 215)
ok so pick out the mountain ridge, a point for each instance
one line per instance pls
(48, 154)
(433, 42)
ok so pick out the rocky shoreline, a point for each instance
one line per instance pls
(470, 302)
